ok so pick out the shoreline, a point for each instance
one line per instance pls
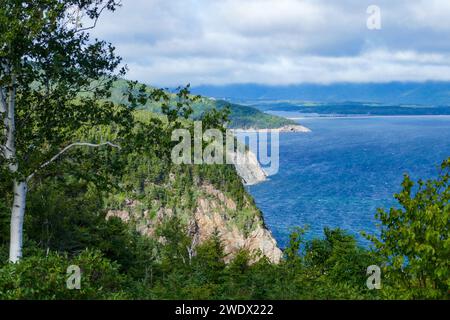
(284, 129)
(371, 117)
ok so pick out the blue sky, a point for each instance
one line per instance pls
(278, 42)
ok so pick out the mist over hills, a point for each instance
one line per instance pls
(420, 93)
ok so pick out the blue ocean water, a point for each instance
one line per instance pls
(346, 168)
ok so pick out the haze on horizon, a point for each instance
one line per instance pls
(279, 42)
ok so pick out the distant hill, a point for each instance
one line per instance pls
(350, 108)
(241, 116)
(426, 93)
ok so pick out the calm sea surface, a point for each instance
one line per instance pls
(338, 175)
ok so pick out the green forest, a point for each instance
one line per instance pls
(239, 117)
(66, 225)
(74, 150)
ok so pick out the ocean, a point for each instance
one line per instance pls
(346, 168)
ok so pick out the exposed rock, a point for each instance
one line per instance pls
(260, 240)
(287, 128)
(121, 214)
(248, 168)
(247, 164)
(215, 212)
(229, 203)
(211, 216)
(294, 128)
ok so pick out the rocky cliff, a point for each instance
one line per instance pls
(214, 212)
(249, 169)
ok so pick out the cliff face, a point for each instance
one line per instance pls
(247, 165)
(205, 199)
(238, 229)
(215, 211)
(249, 169)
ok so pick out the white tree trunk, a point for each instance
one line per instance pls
(17, 218)
(20, 188)
(9, 153)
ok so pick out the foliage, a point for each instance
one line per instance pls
(67, 216)
(415, 239)
(240, 116)
(45, 62)
(43, 277)
(67, 90)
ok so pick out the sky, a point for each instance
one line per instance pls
(280, 42)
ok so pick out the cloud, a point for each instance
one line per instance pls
(378, 66)
(279, 41)
(431, 14)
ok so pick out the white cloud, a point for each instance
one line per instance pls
(433, 14)
(378, 66)
(279, 41)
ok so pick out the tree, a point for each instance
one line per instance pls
(414, 239)
(47, 94)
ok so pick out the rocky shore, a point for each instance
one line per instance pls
(287, 128)
(249, 169)
(214, 212)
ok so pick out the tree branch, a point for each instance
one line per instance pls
(3, 103)
(76, 144)
(4, 149)
(95, 21)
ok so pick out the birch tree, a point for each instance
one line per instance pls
(54, 81)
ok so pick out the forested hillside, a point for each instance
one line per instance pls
(87, 182)
(242, 117)
(137, 234)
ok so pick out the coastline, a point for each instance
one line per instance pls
(284, 129)
(370, 117)
(250, 170)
